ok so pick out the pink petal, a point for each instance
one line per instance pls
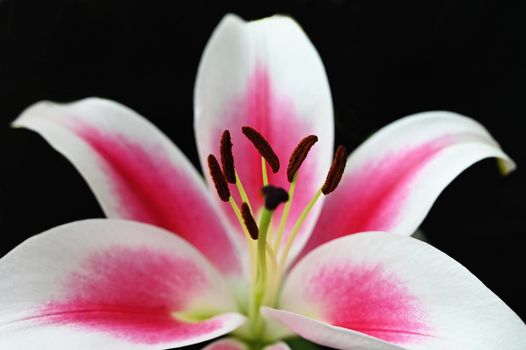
(356, 290)
(134, 170)
(226, 344)
(265, 74)
(393, 179)
(111, 284)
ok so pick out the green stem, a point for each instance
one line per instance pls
(259, 290)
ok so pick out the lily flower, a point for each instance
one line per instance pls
(262, 252)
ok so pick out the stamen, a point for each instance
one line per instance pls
(335, 173)
(274, 196)
(293, 233)
(296, 159)
(285, 214)
(227, 158)
(218, 178)
(250, 223)
(262, 146)
(299, 154)
(264, 171)
(251, 247)
(241, 190)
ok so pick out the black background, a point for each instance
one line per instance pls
(384, 59)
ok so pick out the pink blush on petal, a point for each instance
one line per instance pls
(225, 347)
(379, 189)
(131, 294)
(367, 299)
(274, 115)
(226, 344)
(149, 188)
(374, 194)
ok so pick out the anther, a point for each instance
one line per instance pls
(218, 178)
(274, 196)
(227, 158)
(250, 223)
(299, 154)
(335, 173)
(262, 146)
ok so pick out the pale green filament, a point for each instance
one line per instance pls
(273, 260)
(268, 256)
(285, 214)
(242, 191)
(264, 171)
(250, 242)
(278, 273)
(295, 230)
(239, 217)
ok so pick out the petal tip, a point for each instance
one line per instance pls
(283, 21)
(230, 20)
(506, 166)
(31, 111)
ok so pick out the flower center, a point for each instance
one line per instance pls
(268, 252)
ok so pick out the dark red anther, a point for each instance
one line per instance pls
(262, 146)
(227, 158)
(299, 154)
(218, 178)
(250, 223)
(274, 196)
(335, 174)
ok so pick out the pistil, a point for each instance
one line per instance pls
(274, 196)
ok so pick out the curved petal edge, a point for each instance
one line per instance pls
(392, 180)
(111, 284)
(135, 171)
(399, 290)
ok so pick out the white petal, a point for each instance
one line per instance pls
(135, 171)
(393, 179)
(110, 284)
(397, 289)
(327, 335)
(268, 75)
